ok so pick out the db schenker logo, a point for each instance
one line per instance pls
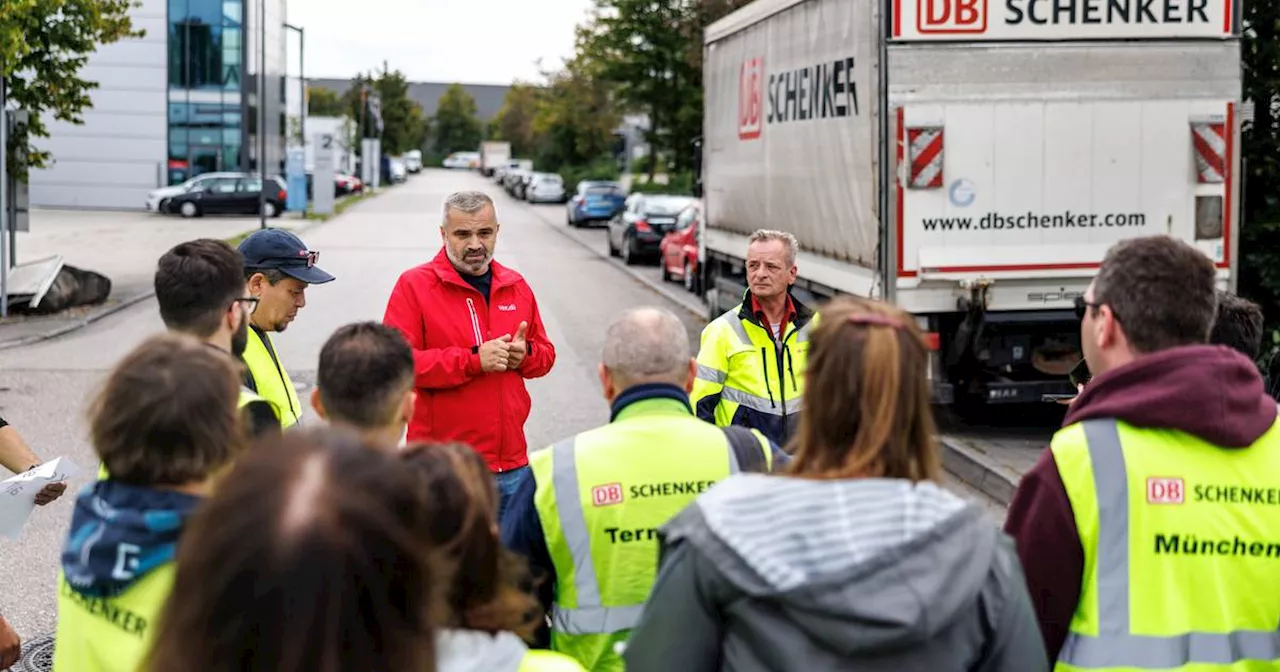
(607, 494)
(751, 99)
(1165, 490)
(951, 17)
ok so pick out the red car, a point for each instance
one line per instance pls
(678, 251)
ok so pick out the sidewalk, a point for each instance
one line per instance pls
(123, 246)
(991, 465)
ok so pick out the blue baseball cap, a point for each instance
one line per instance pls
(281, 250)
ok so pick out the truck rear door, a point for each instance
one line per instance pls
(1032, 135)
(1049, 185)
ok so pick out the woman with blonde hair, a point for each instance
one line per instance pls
(489, 614)
(855, 557)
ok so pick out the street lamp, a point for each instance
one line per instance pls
(262, 114)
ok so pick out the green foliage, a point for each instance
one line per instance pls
(403, 121)
(1260, 236)
(650, 56)
(43, 46)
(514, 122)
(575, 119)
(455, 126)
(322, 102)
(600, 170)
(639, 47)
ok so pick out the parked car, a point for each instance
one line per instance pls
(546, 188)
(231, 196)
(637, 231)
(158, 199)
(679, 248)
(346, 183)
(512, 180)
(595, 201)
(413, 161)
(397, 170)
(522, 186)
(462, 160)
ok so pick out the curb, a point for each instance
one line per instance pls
(978, 471)
(655, 285)
(78, 324)
(112, 310)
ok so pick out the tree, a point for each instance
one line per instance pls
(322, 102)
(43, 46)
(403, 121)
(638, 47)
(402, 117)
(514, 122)
(1260, 235)
(576, 117)
(651, 54)
(455, 123)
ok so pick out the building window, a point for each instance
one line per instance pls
(206, 81)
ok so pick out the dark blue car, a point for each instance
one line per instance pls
(595, 201)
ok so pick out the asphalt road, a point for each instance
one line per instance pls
(45, 387)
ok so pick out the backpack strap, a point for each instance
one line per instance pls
(747, 448)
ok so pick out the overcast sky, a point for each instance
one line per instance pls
(470, 41)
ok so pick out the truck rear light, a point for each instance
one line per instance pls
(931, 340)
(281, 195)
(1208, 217)
(642, 225)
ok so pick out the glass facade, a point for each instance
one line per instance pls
(212, 100)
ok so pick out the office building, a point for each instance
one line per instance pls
(180, 101)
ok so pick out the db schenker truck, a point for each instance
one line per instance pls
(970, 161)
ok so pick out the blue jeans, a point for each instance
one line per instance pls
(508, 483)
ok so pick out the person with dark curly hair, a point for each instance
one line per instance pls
(490, 611)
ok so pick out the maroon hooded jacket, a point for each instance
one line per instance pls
(1209, 391)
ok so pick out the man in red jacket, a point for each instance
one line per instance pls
(476, 336)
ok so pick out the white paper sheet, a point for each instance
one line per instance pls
(18, 494)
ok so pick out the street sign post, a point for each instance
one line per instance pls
(371, 162)
(296, 174)
(4, 206)
(322, 174)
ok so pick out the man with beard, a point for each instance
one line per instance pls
(278, 268)
(476, 336)
(201, 291)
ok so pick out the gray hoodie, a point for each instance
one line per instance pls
(778, 573)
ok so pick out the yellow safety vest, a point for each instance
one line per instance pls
(271, 379)
(601, 497)
(108, 634)
(247, 396)
(548, 661)
(1181, 544)
(747, 378)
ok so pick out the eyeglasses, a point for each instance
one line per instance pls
(252, 302)
(310, 258)
(1083, 306)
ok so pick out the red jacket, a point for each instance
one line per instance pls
(444, 320)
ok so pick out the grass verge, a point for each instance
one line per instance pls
(341, 206)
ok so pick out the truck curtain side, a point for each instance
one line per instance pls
(1009, 144)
